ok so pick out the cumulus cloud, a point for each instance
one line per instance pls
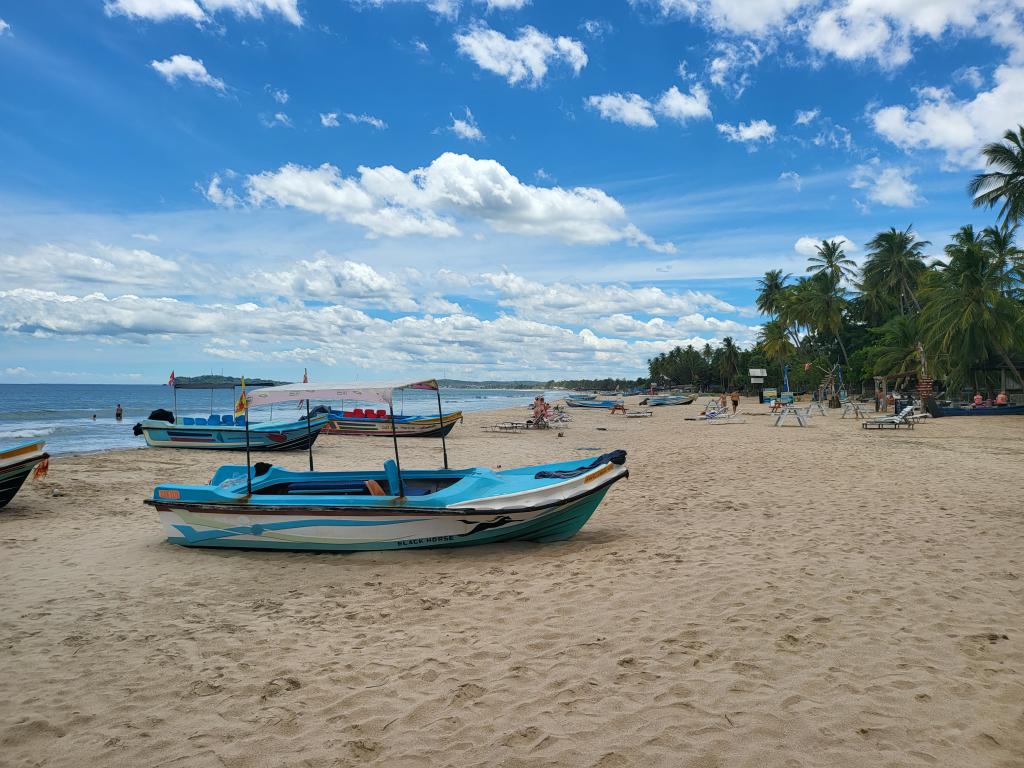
(5, 28)
(505, 5)
(99, 264)
(466, 128)
(430, 200)
(280, 95)
(743, 18)
(730, 64)
(792, 178)
(180, 66)
(886, 184)
(373, 122)
(808, 246)
(748, 133)
(202, 10)
(523, 59)
(279, 119)
(634, 110)
(596, 28)
(956, 127)
(329, 119)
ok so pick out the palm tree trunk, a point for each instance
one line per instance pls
(910, 293)
(842, 348)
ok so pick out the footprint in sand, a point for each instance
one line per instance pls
(279, 685)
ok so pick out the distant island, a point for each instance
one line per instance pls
(214, 381)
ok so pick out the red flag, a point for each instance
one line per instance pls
(305, 376)
(170, 381)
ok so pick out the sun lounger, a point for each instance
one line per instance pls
(902, 419)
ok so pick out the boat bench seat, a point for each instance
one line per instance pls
(187, 421)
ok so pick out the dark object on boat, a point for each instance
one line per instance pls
(933, 408)
(615, 457)
(262, 468)
(162, 415)
(137, 429)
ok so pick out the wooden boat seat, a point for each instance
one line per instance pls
(374, 488)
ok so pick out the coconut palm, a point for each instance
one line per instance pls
(830, 258)
(769, 289)
(894, 263)
(729, 361)
(1009, 258)
(1005, 185)
(896, 349)
(966, 314)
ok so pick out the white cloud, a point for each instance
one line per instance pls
(505, 5)
(181, 66)
(806, 116)
(793, 178)
(217, 194)
(525, 58)
(729, 67)
(428, 201)
(972, 76)
(682, 107)
(15, 371)
(420, 46)
(5, 28)
(280, 95)
(466, 129)
(626, 108)
(279, 118)
(757, 17)
(886, 185)
(98, 265)
(833, 135)
(202, 10)
(808, 246)
(748, 133)
(596, 28)
(147, 237)
(956, 127)
(634, 110)
(329, 119)
(370, 120)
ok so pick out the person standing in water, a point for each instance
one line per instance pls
(119, 412)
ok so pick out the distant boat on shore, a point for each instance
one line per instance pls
(982, 410)
(574, 403)
(225, 433)
(377, 423)
(15, 465)
(671, 399)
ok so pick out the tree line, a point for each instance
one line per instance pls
(962, 314)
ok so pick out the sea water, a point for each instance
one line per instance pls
(79, 418)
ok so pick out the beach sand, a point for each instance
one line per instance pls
(751, 596)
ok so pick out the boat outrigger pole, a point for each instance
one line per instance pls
(440, 421)
(394, 439)
(248, 465)
(309, 436)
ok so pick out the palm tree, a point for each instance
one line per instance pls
(830, 258)
(769, 290)
(892, 268)
(966, 313)
(896, 349)
(729, 361)
(1009, 258)
(1005, 185)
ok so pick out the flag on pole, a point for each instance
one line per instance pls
(170, 381)
(305, 380)
(242, 406)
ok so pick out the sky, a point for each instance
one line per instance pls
(480, 189)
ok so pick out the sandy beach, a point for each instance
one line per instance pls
(751, 596)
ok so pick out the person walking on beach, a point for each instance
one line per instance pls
(722, 402)
(735, 397)
(119, 412)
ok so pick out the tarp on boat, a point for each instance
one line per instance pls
(363, 391)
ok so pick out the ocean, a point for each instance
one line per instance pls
(64, 414)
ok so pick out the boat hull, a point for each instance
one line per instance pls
(290, 436)
(511, 506)
(592, 403)
(16, 464)
(671, 400)
(415, 426)
(997, 410)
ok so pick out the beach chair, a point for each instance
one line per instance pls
(902, 419)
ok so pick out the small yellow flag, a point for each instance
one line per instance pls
(242, 406)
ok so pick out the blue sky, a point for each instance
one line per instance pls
(484, 188)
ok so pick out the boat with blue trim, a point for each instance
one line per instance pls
(670, 399)
(573, 403)
(270, 507)
(377, 423)
(16, 463)
(982, 410)
(228, 433)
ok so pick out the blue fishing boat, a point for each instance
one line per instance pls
(229, 433)
(269, 507)
(16, 464)
(671, 399)
(982, 410)
(377, 423)
(573, 403)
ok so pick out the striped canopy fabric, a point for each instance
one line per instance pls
(363, 391)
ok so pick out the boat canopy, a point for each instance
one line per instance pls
(366, 391)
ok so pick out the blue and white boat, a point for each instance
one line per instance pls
(573, 403)
(269, 507)
(227, 433)
(670, 399)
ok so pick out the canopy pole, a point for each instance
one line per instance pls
(248, 467)
(440, 420)
(309, 436)
(394, 439)
(174, 396)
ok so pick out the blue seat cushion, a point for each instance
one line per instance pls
(188, 420)
(228, 420)
(240, 421)
(200, 421)
(391, 473)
